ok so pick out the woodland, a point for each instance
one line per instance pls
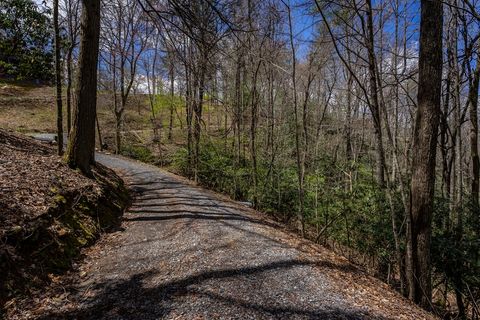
(355, 122)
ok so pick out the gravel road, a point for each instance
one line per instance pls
(188, 253)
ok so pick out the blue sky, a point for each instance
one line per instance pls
(305, 24)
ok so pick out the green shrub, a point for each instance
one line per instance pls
(23, 23)
(456, 247)
(361, 217)
(138, 152)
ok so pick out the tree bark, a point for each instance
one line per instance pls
(72, 22)
(425, 146)
(375, 105)
(81, 148)
(189, 97)
(69, 89)
(238, 108)
(473, 103)
(253, 134)
(197, 110)
(172, 96)
(58, 80)
(100, 140)
(298, 139)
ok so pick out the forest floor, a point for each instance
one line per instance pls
(48, 213)
(189, 253)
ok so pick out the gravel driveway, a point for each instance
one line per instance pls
(188, 253)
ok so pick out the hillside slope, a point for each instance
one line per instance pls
(48, 212)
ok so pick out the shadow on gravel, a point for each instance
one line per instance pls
(136, 299)
(190, 204)
(139, 190)
(169, 197)
(199, 215)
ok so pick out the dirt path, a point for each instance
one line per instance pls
(188, 253)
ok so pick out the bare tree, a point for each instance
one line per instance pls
(124, 39)
(300, 155)
(71, 23)
(58, 78)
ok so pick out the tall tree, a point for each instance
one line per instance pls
(71, 20)
(298, 139)
(425, 146)
(171, 75)
(473, 103)
(58, 79)
(81, 148)
(374, 94)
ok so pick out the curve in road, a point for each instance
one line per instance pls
(188, 253)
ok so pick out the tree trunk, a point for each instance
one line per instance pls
(253, 134)
(298, 140)
(238, 109)
(100, 140)
(473, 103)
(425, 146)
(189, 114)
(58, 80)
(81, 147)
(200, 84)
(172, 96)
(348, 122)
(69, 89)
(444, 141)
(118, 132)
(375, 105)
(71, 16)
